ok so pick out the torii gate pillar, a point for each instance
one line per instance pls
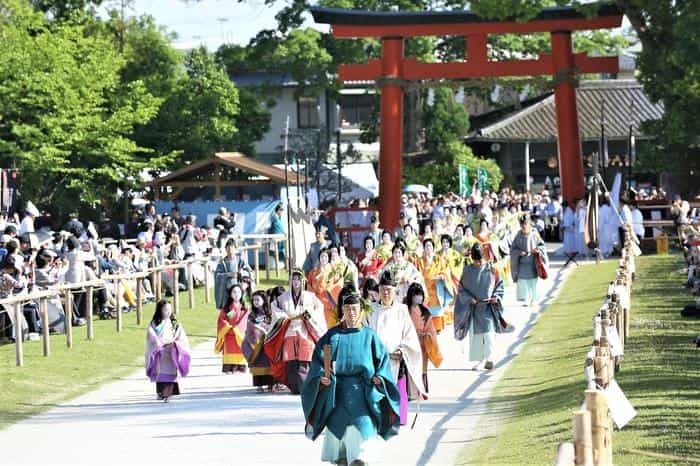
(568, 140)
(391, 132)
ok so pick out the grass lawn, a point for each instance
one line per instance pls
(43, 382)
(530, 410)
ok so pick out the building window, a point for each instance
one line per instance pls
(356, 109)
(307, 112)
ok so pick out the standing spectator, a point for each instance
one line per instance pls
(187, 239)
(277, 228)
(27, 224)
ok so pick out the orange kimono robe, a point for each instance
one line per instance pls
(427, 336)
(231, 327)
(326, 282)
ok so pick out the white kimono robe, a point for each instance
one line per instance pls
(607, 229)
(308, 302)
(568, 225)
(395, 329)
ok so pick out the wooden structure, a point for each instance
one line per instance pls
(394, 71)
(226, 175)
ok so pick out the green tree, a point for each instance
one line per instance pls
(199, 117)
(445, 121)
(66, 121)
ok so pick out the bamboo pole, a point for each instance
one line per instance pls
(68, 305)
(256, 263)
(19, 349)
(268, 251)
(139, 300)
(176, 291)
(89, 302)
(156, 285)
(190, 286)
(583, 443)
(44, 310)
(600, 427)
(275, 246)
(207, 283)
(118, 304)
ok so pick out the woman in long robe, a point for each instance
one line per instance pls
(427, 335)
(435, 273)
(356, 401)
(226, 273)
(403, 271)
(231, 327)
(167, 351)
(325, 281)
(387, 244)
(369, 262)
(523, 269)
(478, 311)
(259, 324)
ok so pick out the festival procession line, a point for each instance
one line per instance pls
(219, 419)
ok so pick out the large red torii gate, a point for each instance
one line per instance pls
(394, 68)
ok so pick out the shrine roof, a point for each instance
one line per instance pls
(625, 103)
(341, 16)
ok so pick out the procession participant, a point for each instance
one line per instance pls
(478, 310)
(411, 239)
(568, 225)
(423, 323)
(167, 351)
(392, 323)
(325, 281)
(384, 249)
(311, 260)
(357, 400)
(231, 327)
(435, 273)
(453, 262)
(369, 262)
(226, 273)
(608, 223)
(370, 290)
(259, 324)
(349, 271)
(523, 268)
(484, 234)
(299, 323)
(581, 216)
(403, 271)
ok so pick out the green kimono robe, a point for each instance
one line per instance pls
(357, 355)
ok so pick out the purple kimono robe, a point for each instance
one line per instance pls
(167, 352)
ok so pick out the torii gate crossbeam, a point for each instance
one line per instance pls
(394, 69)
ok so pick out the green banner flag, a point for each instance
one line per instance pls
(464, 188)
(482, 179)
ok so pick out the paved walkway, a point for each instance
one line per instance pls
(220, 420)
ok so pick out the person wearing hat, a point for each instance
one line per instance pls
(523, 269)
(392, 323)
(27, 223)
(478, 310)
(356, 401)
(299, 323)
(311, 261)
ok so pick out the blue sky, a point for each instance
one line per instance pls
(210, 22)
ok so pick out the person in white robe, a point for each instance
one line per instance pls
(569, 229)
(607, 229)
(392, 322)
(581, 228)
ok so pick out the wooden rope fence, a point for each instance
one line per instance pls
(15, 303)
(593, 422)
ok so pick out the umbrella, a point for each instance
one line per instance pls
(416, 188)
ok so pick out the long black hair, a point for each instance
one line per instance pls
(158, 313)
(274, 293)
(229, 298)
(415, 289)
(265, 309)
(369, 285)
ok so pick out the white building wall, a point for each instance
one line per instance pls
(285, 105)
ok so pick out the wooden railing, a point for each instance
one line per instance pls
(592, 423)
(15, 303)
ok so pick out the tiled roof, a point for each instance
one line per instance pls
(624, 103)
